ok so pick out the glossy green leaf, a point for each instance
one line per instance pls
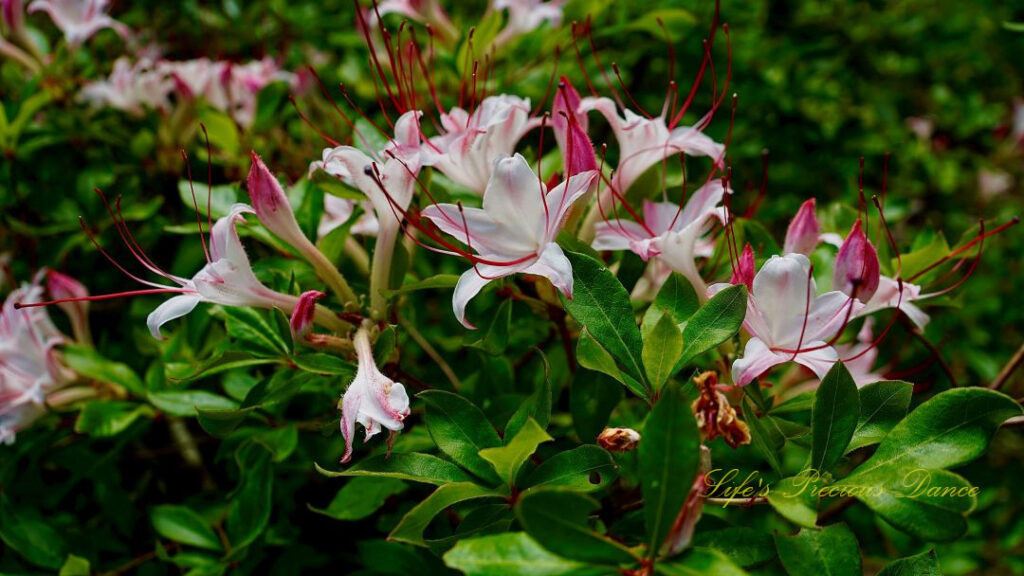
(185, 402)
(744, 546)
(601, 305)
(830, 551)
(559, 520)
(320, 363)
(669, 459)
(882, 406)
(253, 332)
(361, 497)
(834, 417)
(700, 562)
(410, 528)
(512, 554)
(923, 564)
(508, 459)
(585, 468)
(537, 406)
(413, 467)
(110, 418)
(796, 498)
(592, 398)
(461, 431)
(89, 364)
(184, 525)
(676, 299)
(715, 322)
(75, 566)
(593, 357)
(662, 347)
(32, 538)
(434, 282)
(220, 423)
(765, 438)
(252, 502)
(493, 338)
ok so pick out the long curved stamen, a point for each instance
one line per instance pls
(1015, 220)
(309, 123)
(20, 305)
(579, 60)
(618, 74)
(763, 188)
(195, 204)
(129, 241)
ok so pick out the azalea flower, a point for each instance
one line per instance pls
(644, 142)
(669, 233)
(388, 180)
(30, 367)
(787, 321)
(78, 19)
(131, 88)
(515, 230)
(466, 151)
(372, 399)
(525, 16)
(227, 86)
(337, 211)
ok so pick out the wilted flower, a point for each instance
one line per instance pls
(515, 231)
(78, 19)
(715, 416)
(372, 399)
(618, 439)
(788, 322)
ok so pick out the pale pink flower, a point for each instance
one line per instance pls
(78, 19)
(856, 271)
(672, 234)
(466, 151)
(337, 211)
(372, 399)
(131, 88)
(229, 87)
(804, 232)
(860, 356)
(30, 367)
(525, 16)
(515, 231)
(788, 321)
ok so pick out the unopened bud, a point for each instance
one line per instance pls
(857, 271)
(744, 272)
(301, 321)
(804, 230)
(618, 439)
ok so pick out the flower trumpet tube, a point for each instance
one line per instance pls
(275, 213)
(515, 230)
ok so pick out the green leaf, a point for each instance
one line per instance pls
(328, 364)
(882, 406)
(220, 423)
(102, 419)
(700, 562)
(669, 459)
(834, 417)
(89, 364)
(592, 398)
(584, 469)
(662, 347)
(592, 356)
(559, 520)
(461, 431)
(511, 554)
(601, 305)
(222, 130)
(432, 283)
(676, 299)
(831, 551)
(281, 441)
(221, 198)
(185, 402)
(361, 497)
(766, 440)
(413, 467)
(537, 406)
(950, 429)
(923, 564)
(35, 540)
(494, 338)
(796, 498)
(253, 499)
(184, 525)
(254, 332)
(715, 322)
(75, 566)
(744, 546)
(410, 528)
(508, 459)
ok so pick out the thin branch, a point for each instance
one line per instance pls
(432, 352)
(1008, 370)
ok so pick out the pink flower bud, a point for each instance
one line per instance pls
(857, 270)
(271, 204)
(302, 316)
(804, 231)
(13, 14)
(571, 130)
(744, 272)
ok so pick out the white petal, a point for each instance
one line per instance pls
(757, 359)
(174, 308)
(618, 235)
(554, 266)
(514, 199)
(780, 293)
(470, 284)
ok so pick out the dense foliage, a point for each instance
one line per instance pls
(771, 331)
